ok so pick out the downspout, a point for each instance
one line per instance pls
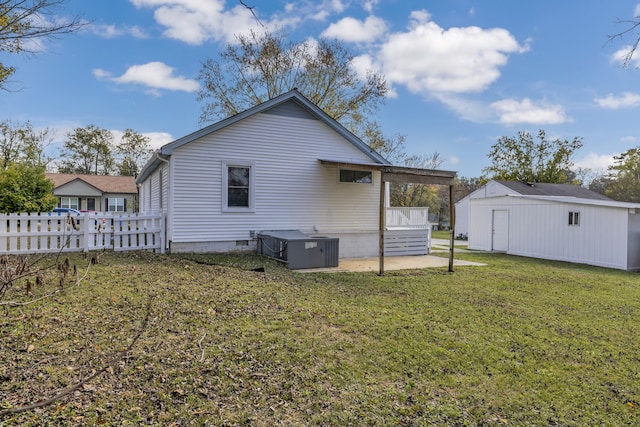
(169, 200)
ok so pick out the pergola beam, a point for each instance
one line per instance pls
(404, 175)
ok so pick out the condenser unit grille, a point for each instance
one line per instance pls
(299, 250)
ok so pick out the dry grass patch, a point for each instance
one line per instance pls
(519, 342)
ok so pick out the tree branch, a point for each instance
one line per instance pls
(252, 11)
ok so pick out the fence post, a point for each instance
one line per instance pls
(162, 232)
(85, 230)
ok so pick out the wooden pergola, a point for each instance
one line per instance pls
(401, 174)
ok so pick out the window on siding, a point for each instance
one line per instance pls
(356, 176)
(69, 202)
(238, 187)
(91, 203)
(116, 204)
(574, 218)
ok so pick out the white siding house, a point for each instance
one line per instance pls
(585, 228)
(261, 170)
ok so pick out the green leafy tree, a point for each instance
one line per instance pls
(600, 184)
(623, 180)
(88, 150)
(525, 160)
(23, 184)
(262, 66)
(25, 188)
(23, 21)
(463, 186)
(21, 143)
(413, 194)
(134, 149)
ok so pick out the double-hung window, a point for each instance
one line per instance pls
(69, 202)
(238, 186)
(116, 204)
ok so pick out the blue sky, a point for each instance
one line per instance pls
(463, 73)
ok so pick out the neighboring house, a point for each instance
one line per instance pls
(282, 165)
(95, 192)
(551, 221)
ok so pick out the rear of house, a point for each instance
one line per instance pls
(278, 166)
(604, 233)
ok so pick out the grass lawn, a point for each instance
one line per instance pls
(441, 234)
(518, 342)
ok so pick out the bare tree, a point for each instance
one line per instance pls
(24, 21)
(412, 194)
(632, 30)
(262, 66)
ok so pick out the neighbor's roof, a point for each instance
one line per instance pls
(104, 183)
(291, 96)
(546, 189)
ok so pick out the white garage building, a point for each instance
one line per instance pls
(551, 221)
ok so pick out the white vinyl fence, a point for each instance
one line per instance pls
(32, 233)
(407, 218)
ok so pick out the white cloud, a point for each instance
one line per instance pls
(196, 21)
(594, 161)
(352, 30)
(427, 58)
(369, 5)
(109, 31)
(99, 73)
(636, 11)
(629, 139)
(154, 75)
(338, 6)
(466, 108)
(627, 100)
(158, 139)
(512, 111)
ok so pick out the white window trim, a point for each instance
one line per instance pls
(116, 205)
(70, 202)
(225, 185)
(574, 218)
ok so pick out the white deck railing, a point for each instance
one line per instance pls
(31, 233)
(407, 218)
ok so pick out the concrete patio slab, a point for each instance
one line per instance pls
(390, 263)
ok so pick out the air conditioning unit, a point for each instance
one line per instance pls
(299, 250)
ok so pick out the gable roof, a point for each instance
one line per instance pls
(547, 189)
(291, 96)
(104, 183)
(578, 201)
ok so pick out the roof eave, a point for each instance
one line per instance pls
(152, 164)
